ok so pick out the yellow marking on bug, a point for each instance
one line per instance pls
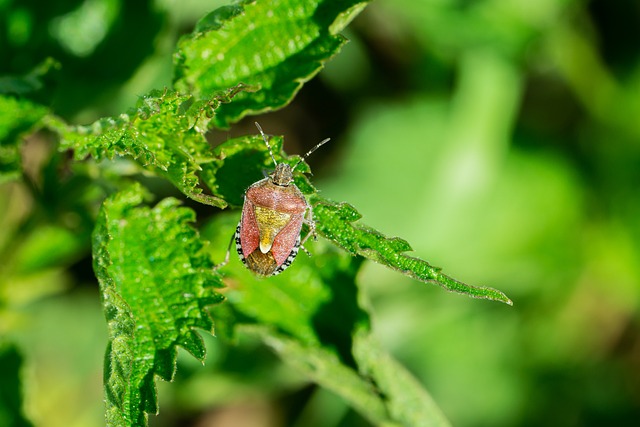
(270, 223)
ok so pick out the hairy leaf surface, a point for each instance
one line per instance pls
(165, 132)
(272, 45)
(338, 222)
(238, 163)
(156, 285)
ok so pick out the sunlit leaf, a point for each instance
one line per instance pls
(308, 315)
(165, 132)
(296, 314)
(239, 162)
(156, 285)
(272, 45)
(339, 223)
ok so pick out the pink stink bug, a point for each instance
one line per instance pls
(268, 234)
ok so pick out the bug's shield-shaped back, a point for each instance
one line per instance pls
(264, 228)
(270, 223)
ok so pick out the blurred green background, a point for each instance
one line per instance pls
(501, 138)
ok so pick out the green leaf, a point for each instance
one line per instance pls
(48, 247)
(165, 132)
(17, 117)
(382, 390)
(295, 314)
(407, 401)
(274, 46)
(156, 285)
(11, 414)
(337, 222)
(291, 301)
(324, 368)
(239, 162)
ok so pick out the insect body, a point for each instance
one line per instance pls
(268, 235)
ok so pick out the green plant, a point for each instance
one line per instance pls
(156, 273)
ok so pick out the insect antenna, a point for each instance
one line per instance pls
(264, 137)
(318, 145)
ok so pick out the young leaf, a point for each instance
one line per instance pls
(165, 132)
(156, 284)
(17, 117)
(337, 222)
(272, 45)
(11, 390)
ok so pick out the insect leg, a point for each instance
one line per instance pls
(226, 257)
(305, 250)
(311, 224)
(312, 230)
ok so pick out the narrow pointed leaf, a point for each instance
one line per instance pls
(272, 45)
(240, 162)
(156, 285)
(339, 223)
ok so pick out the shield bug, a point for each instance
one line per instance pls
(268, 234)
